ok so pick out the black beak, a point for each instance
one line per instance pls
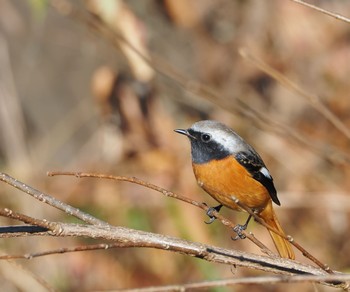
(184, 132)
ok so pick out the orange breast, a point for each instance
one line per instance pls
(225, 178)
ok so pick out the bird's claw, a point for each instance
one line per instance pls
(210, 213)
(211, 220)
(238, 229)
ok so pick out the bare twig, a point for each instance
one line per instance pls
(314, 100)
(5, 212)
(62, 250)
(324, 11)
(206, 284)
(307, 254)
(47, 199)
(167, 193)
(323, 266)
(244, 281)
(272, 125)
(127, 238)
(225, 221)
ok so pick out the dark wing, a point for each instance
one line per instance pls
(256, 167)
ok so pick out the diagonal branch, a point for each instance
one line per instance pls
(167, 193)
(313, 99)
(225, 221)
(324, 11)
(126, 238)
(244, 281)
(305, 253)
(47, 199)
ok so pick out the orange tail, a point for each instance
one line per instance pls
(283, 246)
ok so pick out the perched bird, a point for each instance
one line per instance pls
(227, 167)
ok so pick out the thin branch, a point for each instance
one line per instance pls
(314, 100)
(245, 281)
(257, 218)
(47, 199)
(63, 250)
(127, 238)
(167, 193)
(206, 284)
(273, 126)
(305, 253)
(204, 207)
(5, 212)
(319, 9)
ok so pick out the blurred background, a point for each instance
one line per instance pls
(75, 96)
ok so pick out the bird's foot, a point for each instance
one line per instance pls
(210, 213)
(238, 229)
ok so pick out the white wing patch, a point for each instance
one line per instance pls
(265, 172)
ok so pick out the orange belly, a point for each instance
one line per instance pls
(225, 178)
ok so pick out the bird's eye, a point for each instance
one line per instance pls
(206, 137)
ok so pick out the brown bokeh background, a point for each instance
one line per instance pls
(71, 100)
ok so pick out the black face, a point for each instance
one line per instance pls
(204, 148)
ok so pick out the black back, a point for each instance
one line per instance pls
(253, 163)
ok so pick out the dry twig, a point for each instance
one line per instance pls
(47, 199)
(125, 238)
(308, 255)
(167, 193)
(324, 11)
(204, 207)
(314, 100)
(243, 281)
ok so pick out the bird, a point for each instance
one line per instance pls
(230, 169)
